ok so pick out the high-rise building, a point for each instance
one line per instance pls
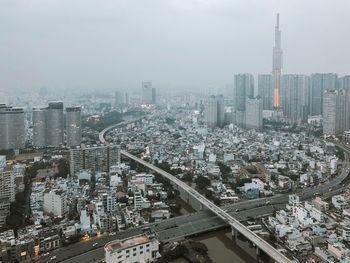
(73, 126)
(39, 127)
(266, 91)
(334, 112)
(118, 98)
(211, 111)
(96, 158)
(319, 82)
(54, 124)
(344, 83)
(254, 113)
(294, 97)
(220, 110)
(147, 92)
(214, 111)
(7, 192)
(12, 128)
(277, 63)
(154, 96)
(243, 88)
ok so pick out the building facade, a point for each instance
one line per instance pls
(73, 126)
(254, 113)
(12, 128)
(265, 90)
(141, 248)
(94, 158)
(54, 124)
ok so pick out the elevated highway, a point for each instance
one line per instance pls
(221, 213)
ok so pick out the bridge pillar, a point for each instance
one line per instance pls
(234, 234)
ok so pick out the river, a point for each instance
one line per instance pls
(222, 249)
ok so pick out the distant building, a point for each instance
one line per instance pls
(244, 88)
(214, 111)
(140, 248)
(344, 83)
(54, 124)
(12, 128)
(319, 83)
(265, 90)
(277, 64)
(254, 113)
(98, 158)
(48, 126)
(148, 93)
(154, 96)
(73, 126)
(294, 97)
(39, 127)
(331, 114)
(121, 98)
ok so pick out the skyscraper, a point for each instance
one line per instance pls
(211, 111)
(319, 83)
(243, 88)
(344, 83)
(12, 128)
(54, 122)
(39, 127)
(266, 90)
(277, 62)
(220, 110)
(73, 126)
(147, 92)
(154, 96)
(214, 111)
(294, 97)
(335, 111)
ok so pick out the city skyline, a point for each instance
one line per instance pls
(198, 45)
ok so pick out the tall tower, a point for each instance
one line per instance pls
(277, 64)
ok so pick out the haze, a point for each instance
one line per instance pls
(87, 44)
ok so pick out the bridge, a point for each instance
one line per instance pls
(234, 223)
(226, 217)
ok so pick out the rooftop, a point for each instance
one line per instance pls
(127, 243)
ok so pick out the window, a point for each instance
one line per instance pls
(134, 249)
(134, 254)
(147, 250)
(141, 247)
(141, 252)
(147, 245)
(128, 251)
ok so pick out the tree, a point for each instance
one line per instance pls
(202, 182)
(63, 168)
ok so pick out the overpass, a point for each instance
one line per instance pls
(221, 213)
(234, 223)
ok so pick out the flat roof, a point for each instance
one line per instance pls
(127, 243)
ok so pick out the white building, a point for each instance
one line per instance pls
(55, 202)
(141, 248)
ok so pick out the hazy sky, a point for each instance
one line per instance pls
(107, 44)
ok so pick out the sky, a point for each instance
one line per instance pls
(176, 44)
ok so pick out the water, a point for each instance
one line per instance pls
(221, 248)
